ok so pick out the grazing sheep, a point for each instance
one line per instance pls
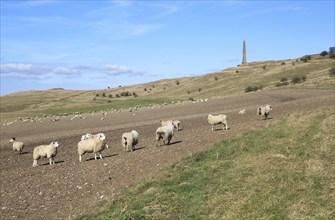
(48, 151)
(265, 110)
(130, 139)
(95, 145)
(241, 112)
(218, 119)
(165, 133)
(175, 123)
(17, 145)
(86, 136)
(90, 135)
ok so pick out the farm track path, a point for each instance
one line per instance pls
(70, 188)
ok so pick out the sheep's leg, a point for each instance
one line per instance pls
(100, 156)
(35, 163)
(169, 139)
(50, 160)
(212, 127)
(79, 158)
(95, 156)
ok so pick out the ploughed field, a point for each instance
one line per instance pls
(69, 188)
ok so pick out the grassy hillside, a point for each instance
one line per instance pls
(230, 81)
(284, 171)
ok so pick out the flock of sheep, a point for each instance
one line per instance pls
(96, 143)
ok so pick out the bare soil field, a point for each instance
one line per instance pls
(69, 188)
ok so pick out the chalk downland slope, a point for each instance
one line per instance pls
(234, 80)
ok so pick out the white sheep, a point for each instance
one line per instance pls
(86, 136)
(175, 123)
(17, 145)
(95, 145)
(165, 133)
(241, 112)
(264, 111)
(90, 135)
(218, 119)
(129, 139)
(48, 151)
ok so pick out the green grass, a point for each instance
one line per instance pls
(285, 171)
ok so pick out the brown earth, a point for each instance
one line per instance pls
(70, 188)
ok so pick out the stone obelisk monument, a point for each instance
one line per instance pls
(244, 57)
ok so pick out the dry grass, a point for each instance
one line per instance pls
(222, 83)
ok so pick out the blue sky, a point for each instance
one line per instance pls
(98, 44)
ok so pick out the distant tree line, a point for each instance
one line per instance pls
(331, 52)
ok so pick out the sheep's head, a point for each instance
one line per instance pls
(86, 136)
(134, 132)
(55, 143)
(12, 140)
(102, 137)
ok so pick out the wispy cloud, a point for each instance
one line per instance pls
(116, 70)
(124, 29)
(66, 71)
(21, 68)
(288, 8)
(34, 3)
(167, 9)
(38, 70)
(27, 4)
(30, 69)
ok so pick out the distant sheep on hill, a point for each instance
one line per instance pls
(17, 145)
(264, 111)
(175, 123)
(218, 119)
(241, 112)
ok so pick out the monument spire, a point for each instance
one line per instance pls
(244, 58)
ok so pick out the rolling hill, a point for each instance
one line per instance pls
(233, 80)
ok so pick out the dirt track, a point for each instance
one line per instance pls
(69, 188)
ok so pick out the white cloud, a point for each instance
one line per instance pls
(116, 70)
(20, 68)
(66, 71)
(30, 69)
(13, 67)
